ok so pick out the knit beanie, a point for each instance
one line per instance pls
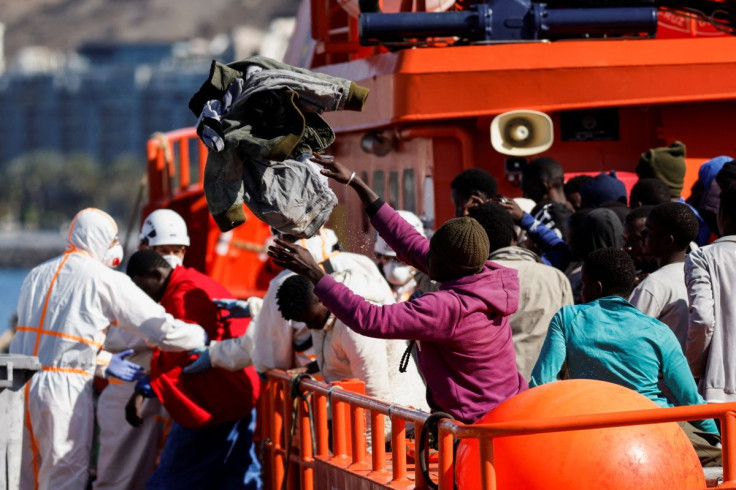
(666, 163)
(459, 248)
(601, 189)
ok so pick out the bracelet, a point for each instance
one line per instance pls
(352, 176)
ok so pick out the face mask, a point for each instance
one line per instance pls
(173, 260)
(114, 256)
(397, 273)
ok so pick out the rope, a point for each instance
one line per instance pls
(430, 428)
(406, 356)
(295, 394)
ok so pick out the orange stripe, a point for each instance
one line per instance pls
(114, 381)
(62, 335)
(71, 229)
(46, 303)
(31, 437)
(65, 370)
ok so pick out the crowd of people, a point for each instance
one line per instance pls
(576, 279)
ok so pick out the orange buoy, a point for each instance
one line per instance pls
(637, 457)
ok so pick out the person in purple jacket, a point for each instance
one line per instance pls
(465, 351)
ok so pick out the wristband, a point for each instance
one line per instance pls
(352, 176)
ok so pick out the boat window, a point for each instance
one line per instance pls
(428, 211)
(409, 191)
(379, 184)
(393, 188)
(365, 223)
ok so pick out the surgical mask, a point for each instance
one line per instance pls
(114, 256)
(397, 273)
(173, 260)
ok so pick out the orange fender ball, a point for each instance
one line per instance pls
(635, 457)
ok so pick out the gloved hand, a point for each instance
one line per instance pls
(237, 308)
(200, 364)
(122, 369)
(143, 387)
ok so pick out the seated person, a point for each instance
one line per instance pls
(610, 340)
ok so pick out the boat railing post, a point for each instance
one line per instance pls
(420, 482)
(277, 428)
(398, 449)
(487, 469)
(321, 425)
(306, 451)
(446, 470)
(378, 444)
(728, 433)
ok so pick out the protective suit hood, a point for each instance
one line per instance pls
(92, 232)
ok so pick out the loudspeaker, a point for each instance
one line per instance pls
(521, 133)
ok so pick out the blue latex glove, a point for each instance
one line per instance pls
(237, 308)
(200, 364)
(143, 386)
(122, 369)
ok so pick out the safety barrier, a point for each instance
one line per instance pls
(170, 164)
(349, 464)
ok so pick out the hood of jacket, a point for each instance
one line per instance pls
(514, 253)
(493, 288)
(92, 231)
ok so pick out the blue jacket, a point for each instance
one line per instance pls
(610, 340)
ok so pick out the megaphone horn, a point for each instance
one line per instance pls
(522, 133)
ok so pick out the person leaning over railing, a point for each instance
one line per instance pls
(465, 350)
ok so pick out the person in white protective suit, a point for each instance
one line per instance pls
(65, 305)
(280, 341)
(128, 454)
(398, 274)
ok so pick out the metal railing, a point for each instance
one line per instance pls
(350, 453)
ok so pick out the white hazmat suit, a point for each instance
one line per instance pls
(64, 307)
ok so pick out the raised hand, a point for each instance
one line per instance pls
(296, 259)
(333, 169)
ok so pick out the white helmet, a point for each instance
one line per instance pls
(164, 227)
(382, 247)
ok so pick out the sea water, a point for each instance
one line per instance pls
(10, 282)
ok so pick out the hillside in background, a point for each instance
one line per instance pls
(65, 24)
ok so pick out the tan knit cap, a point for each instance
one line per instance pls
(459, 248)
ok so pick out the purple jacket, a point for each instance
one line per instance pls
(465, 350)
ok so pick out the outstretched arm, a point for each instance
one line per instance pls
(410, 246)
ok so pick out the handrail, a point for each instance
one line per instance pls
(348, 416)
(169, 161)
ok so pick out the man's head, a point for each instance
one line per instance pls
(497, 223)
(727, 211)
(603, 188)
(666, 163)
(543, 179)
(607, 272)
(95, 232)
(459, 248)
(572, 190)
(165, 232)
(472, 182)
(634, 238)
(150, 272)
(670, 227)
(649, 192)
(296, 301)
